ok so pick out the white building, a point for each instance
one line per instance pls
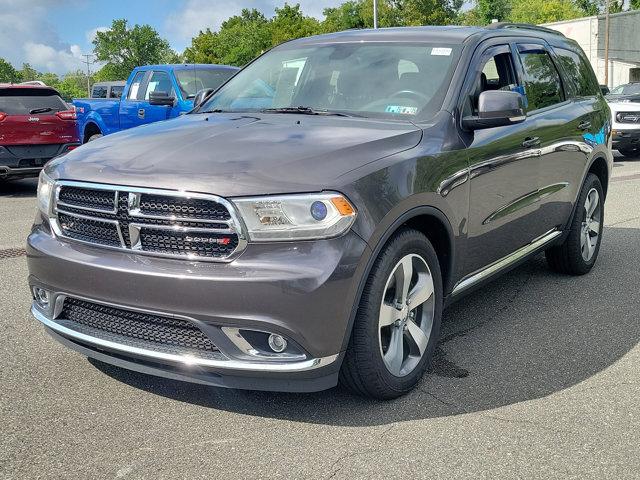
(624, 44)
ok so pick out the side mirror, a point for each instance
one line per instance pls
(604, 89)
(161, 98)
(496, 108)
(201, 95)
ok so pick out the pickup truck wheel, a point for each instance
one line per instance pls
(93, 137)
(398, 320)
(578, 253)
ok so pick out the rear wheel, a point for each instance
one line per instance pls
(398, 320)
(93, 137)
(578, 253)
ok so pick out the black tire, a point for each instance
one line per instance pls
(363, 370)
(93, 137)
(630, 152)
(567, 258)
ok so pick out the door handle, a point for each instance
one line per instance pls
(584, 125)
(141, 113)
(531, 142)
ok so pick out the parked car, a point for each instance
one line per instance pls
(626, 127)
(107, 89)
(152, 93)
(309, 221)
(629, 92)
(35, 126)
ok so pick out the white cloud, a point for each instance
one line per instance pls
(91, 34)
(26, 35)
(198, 15)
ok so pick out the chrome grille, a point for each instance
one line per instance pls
(148, 221)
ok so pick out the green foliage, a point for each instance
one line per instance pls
(429, 12)
(8, 74)
(289, 23)
(489, 10)
(125, 48)
(634, 4)
(28, 73)
(543, 11)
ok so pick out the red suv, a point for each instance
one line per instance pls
(35, 126)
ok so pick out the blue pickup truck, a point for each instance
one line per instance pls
(152, 93)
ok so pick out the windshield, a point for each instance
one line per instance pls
(191, 81)
(364, 79)
(628, 89)
(25, 101)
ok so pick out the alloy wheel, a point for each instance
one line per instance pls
(591, 225)
(406, 315)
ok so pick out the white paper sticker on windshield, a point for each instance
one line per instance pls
(441, 51)
(401, 110)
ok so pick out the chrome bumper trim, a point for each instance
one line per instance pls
(185, 360)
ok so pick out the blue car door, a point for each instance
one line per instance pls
(159, 81)
(130, 104)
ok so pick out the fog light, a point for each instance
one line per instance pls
(277, 343)
(42, 297)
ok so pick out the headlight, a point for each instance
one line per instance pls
(45, 191)
(296, 217)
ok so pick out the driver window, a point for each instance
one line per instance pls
(496, 73)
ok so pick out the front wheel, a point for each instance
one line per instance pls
(93, 137)
(398, 319)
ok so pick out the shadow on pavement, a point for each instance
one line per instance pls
(25, 187)
(527, 335)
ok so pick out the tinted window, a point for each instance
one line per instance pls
(193, 80)
(99, 91)
(135, 86)
(627, 89)
(541, 79)
(581, 81)
(159, 82)
(116, 91)
(25, 101)
(367, 79)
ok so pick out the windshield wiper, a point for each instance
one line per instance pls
(216, 110)
(305, 111)
(40, 110)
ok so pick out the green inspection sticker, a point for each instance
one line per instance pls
(401, 110)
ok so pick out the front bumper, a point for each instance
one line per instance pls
(303, 291)
(627, 138)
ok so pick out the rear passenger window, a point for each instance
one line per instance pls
(541, 79)
(581, 81)
(99, 92)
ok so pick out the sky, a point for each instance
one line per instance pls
(52, 35)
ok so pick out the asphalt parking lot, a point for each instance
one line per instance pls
(537, 376)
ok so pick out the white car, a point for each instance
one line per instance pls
(625, 115)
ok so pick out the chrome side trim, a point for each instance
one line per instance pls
(185, 360)
(504, 262)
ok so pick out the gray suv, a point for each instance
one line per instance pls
(308, 221)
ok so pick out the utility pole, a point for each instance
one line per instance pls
(375, 13)
(606, 44)
(87, 61)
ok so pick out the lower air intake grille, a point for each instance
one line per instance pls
(138, 326)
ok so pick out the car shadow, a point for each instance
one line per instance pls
(25, 187)
(527, 335)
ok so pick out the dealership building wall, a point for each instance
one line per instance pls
(624, 44)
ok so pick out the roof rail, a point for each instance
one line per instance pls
(523, 26)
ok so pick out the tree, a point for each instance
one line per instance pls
(489, 10)
(289, 23)
(428, 12)
(28, 73)
(8, 73)
(344, 17)
(634, 4)
(543, 11)
(126, 48)
(73, 85)
(240, 39)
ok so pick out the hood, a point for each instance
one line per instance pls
(237, 154)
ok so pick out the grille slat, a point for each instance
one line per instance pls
(173, 225)
(137, 326)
